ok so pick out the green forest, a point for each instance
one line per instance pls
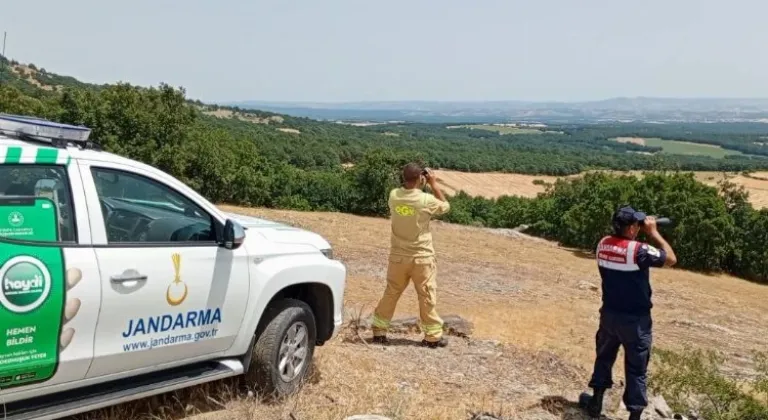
(248, 160)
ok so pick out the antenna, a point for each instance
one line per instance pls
(41, 130)
(5, 35)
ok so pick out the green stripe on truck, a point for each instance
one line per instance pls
(46, 155)
(13, 155)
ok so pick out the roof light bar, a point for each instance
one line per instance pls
(43, 129)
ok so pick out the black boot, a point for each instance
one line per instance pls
(635, 415)
(435, 344)
(595, 406)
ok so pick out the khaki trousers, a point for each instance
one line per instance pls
(423, 273)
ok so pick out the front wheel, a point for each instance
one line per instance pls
(284, 350)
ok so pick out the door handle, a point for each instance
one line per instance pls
(128, 275)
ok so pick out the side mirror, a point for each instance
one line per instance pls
(234, 234)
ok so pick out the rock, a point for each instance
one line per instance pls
(680, 417)
(485, 343)
(367, 417)
(458, 326)
(521, 228)
(661, 407)
(585, 285)
(484, 416)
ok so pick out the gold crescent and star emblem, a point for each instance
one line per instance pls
(176, 281)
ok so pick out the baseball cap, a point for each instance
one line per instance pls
(626, 215)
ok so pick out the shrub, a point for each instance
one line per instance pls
(693, 380)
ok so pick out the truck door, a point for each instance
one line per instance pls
(170, 293)
(49, 278)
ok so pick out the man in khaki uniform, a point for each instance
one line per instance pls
(412, 256)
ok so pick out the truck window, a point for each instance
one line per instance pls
(137, 209)
(50, 181)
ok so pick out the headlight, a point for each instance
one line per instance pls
(328, 253)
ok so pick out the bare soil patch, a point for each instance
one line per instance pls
(227, 113)
(633, 140)
(28, 73)
(289, 130)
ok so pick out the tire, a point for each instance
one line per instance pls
(285, 319)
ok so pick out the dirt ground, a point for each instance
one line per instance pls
(227, 113)
(493, 185)
(534, 308)
(634, 140)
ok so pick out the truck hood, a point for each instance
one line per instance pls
(279, 232)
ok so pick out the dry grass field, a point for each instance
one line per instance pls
(491, 185)
(534, 307)
(633, 140)
(680, 147)
(757, 185)
(497, 184)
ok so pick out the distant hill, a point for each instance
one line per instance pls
(615, 109)
(33, 80)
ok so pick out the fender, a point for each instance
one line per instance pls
(272, 274)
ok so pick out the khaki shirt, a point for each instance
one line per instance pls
(411, 211)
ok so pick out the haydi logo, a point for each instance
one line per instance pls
(26, 283)
(23, 286)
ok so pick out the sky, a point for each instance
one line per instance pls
(399, 50)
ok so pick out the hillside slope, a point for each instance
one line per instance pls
(534, 307)
(316, 145)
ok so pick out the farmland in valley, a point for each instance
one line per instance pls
(504, 129)
(680, 147)
(492, 185)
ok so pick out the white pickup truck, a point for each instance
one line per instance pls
(119, 282)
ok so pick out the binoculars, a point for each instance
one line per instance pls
(661, 221)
